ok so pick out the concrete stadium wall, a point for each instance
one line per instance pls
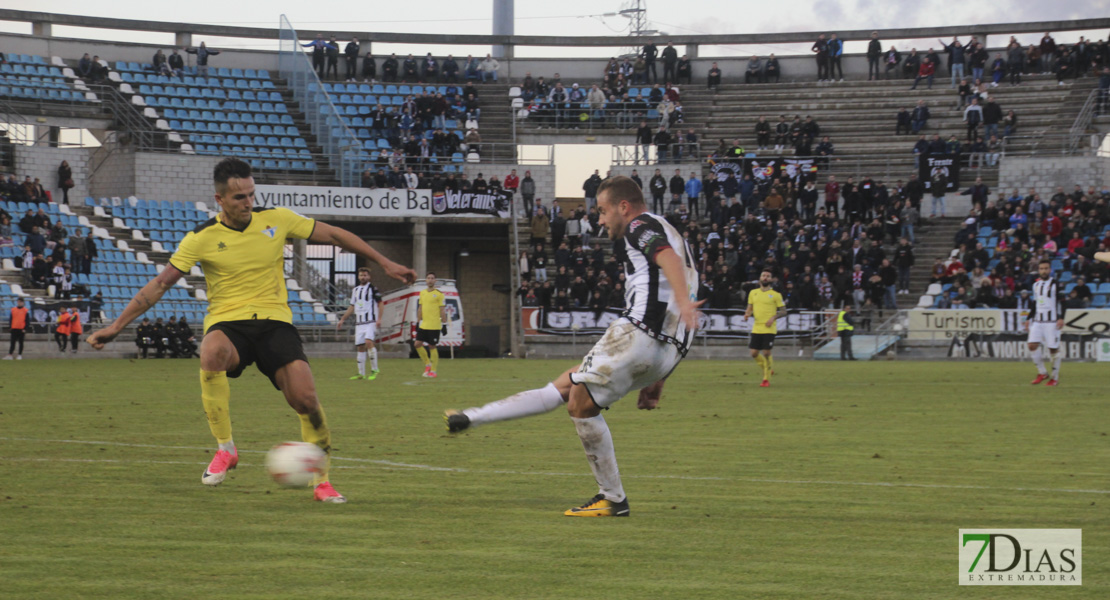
(155, 176)
(43, 161)
(1045, 173)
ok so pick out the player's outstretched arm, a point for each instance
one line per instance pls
(147, 297)
(337, 236)
(671, 264)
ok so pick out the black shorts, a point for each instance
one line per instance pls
(269, 344)
(428, 336)
(762, 341)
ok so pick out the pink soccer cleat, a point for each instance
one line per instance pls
(223, 462)
(326, 493)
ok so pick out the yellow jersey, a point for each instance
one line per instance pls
(764, 306)
(430, 303)
(244, 270)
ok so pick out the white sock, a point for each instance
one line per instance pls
(598, 444)
(229, 446)
(361, 357)
(524, 404)
(1038, 359)
(373, 359)
(1057, 357)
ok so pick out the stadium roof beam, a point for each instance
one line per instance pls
(42, 21)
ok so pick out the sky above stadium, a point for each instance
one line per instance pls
(576, 17)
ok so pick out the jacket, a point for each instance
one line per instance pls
(693, 187)
(528, 186)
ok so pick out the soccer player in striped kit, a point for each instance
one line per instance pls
(1045, 322)
(366, 304)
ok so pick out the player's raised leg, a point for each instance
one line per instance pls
(296, 382)
(218, 356)
(525, 404)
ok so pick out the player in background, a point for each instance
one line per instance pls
(249, 321)
(17, 325)
(432, 308)
(638, 351)
(1045, 322)
(366, 304)
(766, 305)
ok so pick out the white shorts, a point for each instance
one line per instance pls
(365, 333)
(1044, 333)
(623, 360)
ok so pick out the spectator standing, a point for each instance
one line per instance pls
(938, 185)
(670, 61)
(658, 188)
(677, 186)
(973, 116)
(202, 52)
(332, 52)
(91, 252)
(836, 50)
(955, 60)
(844, 327)
(319, 52)
(919, 118)
(693, 192)
(820, 49)
(1048, 53)
(528, 192)
(874, 54)
(350, 53)
(77, 251)
(590, 188)
(65, 180)
(649, 53)
(540, 225)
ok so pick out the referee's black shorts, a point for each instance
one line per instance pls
(762, 341)
(428, 336)
(269, 344)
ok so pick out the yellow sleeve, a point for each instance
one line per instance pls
(296, 225)
(442, 300)
(778, 301)
(187, 253)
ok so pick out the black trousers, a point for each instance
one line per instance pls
(17, 336)
(352, 67)
(846, 345)
(74, 339)
(318, 64)
(668, 71)
(657, 204)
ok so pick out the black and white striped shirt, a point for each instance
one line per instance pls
(650, 300)
(1048, 302)
(365, 299)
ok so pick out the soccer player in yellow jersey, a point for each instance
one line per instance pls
(766, 305)
(242, 253)
(432, 308)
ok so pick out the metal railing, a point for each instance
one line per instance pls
(1083, 119)
(323, 118)
(315, 283)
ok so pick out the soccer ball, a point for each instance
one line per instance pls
(294, 464)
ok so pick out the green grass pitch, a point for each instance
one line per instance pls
(841, 481)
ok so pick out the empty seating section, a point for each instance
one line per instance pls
(34, 78)
(232, 112)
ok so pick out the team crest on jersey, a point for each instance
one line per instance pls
(220, 247)
(270, 231)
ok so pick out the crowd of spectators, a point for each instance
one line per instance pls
(858, 252)
(173, 339)
(997, 250)
(429, 69)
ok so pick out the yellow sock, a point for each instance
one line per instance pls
(215, 394)
(762, 362)
(770, 367)
(435, 359)
(423, 354)
(314, 430)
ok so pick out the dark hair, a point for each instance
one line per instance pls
(1045, 261)
(367, 269)
(433, 273)
(229, 168)
(622, 188)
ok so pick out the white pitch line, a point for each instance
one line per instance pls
(420, 467)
